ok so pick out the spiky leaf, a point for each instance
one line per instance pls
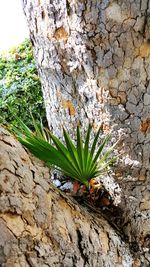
(79, 162)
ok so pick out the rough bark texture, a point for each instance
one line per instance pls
(40, 226)
(94, 61)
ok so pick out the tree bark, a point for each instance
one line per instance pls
(93, 60)
(40, 226)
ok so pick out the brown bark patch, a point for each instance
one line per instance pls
(28, 216)
(120, 97)
(34, 231)
(136, 262)
(118, 173)
(61, 34)
(69, 105)
(14, 223)
(62, 204)
(145, 126)
(105, 127)
(142, 178)
(118, 261)
(144, 50)
(113, 92)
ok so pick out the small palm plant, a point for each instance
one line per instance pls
(80, 162)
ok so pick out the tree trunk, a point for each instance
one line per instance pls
(41, 226)
(93, 60)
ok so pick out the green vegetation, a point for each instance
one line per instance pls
(20, 87)
(78, 162)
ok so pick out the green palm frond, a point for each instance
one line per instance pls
(80, 162)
